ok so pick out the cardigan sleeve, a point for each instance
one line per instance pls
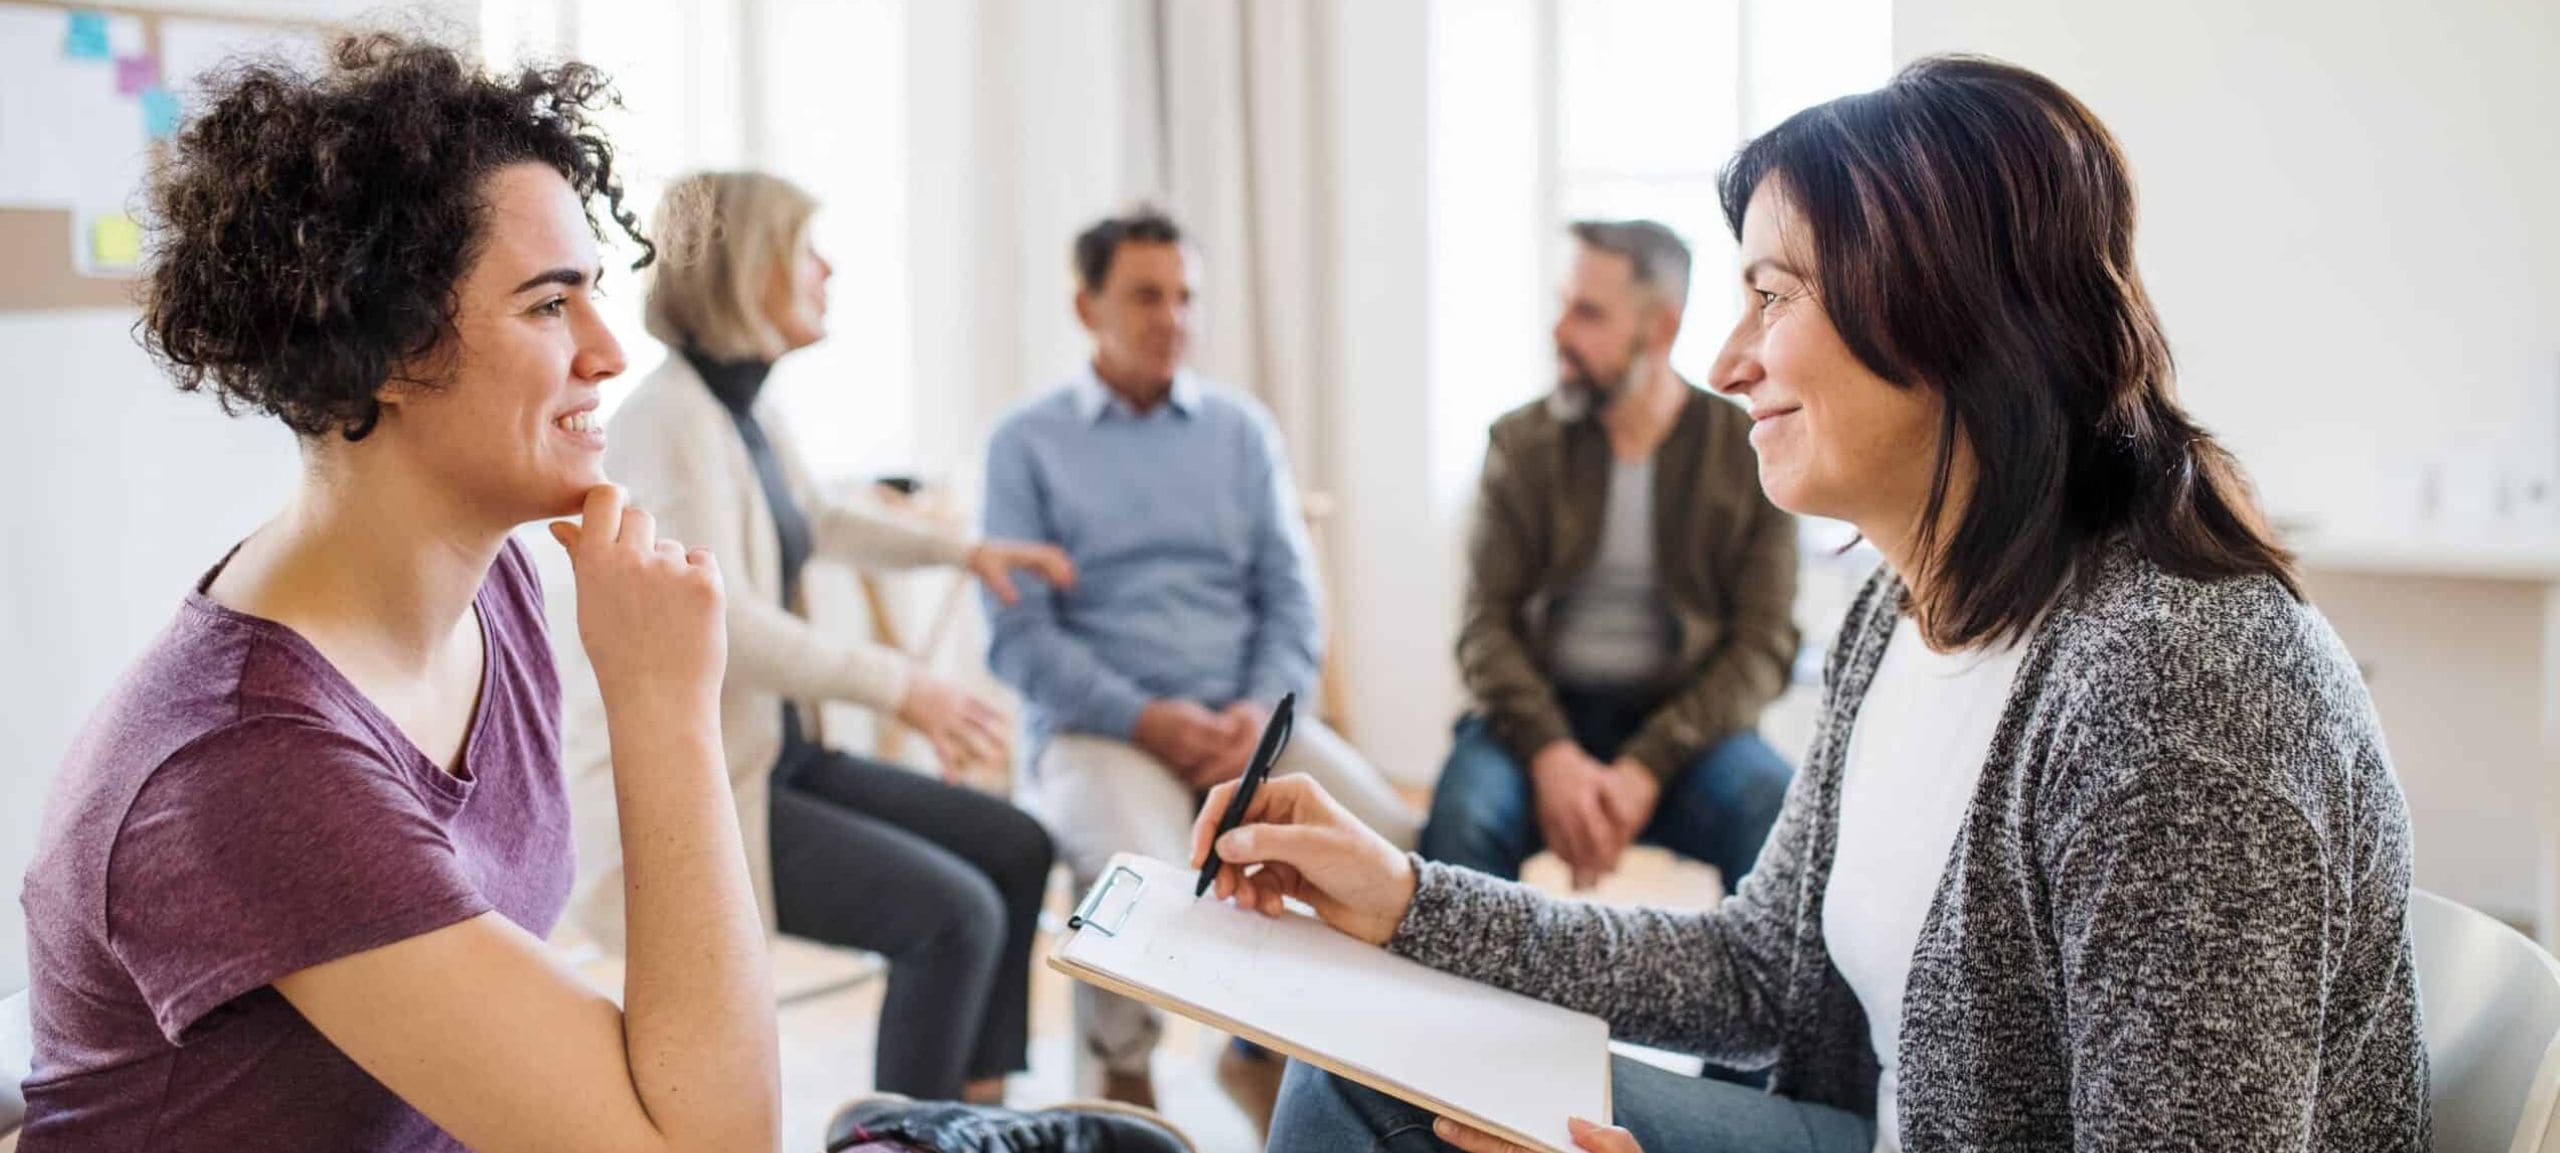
(1712, 983)
(2192, 930)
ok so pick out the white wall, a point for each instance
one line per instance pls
(2454, 671)
(122, 492)
(1493, 298)
(2349, 227)
(1393, 542)
(2348, 217)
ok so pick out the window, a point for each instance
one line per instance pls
(811, 90)
(1647, 105)
(1548, 111)
(682, 60)
(1652, 96)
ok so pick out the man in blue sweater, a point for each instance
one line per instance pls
(1194, 608)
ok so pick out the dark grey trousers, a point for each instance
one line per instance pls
(944, 881)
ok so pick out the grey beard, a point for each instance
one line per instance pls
(1585, 395)
(1575, 399)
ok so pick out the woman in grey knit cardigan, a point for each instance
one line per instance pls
(2097, 846)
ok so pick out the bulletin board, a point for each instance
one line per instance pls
(87, 92)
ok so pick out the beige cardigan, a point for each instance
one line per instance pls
(676, 449)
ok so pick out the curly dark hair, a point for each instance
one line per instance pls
(309, 228)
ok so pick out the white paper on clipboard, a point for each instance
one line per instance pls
(1505, 1063)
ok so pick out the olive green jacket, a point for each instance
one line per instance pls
(1724, 556)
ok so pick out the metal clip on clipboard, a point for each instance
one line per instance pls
(1106, 908)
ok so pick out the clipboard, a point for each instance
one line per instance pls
(1501, 1062)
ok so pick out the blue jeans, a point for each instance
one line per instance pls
(1717, 810)
(1668, 1113)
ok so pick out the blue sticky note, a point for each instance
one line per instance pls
(159, 113)
(86, 39)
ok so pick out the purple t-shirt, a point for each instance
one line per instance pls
(238, 811)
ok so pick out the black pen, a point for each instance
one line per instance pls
(1275, 737)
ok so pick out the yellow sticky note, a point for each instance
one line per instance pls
(115, 242)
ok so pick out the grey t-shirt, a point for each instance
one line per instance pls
(237, 811)
(1612, 628)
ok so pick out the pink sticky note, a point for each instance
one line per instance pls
(134, 74)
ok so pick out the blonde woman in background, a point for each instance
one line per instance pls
(944, 881)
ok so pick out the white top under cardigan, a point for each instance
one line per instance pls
(679, 454)
(1915, 757)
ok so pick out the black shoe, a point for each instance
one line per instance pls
(951, 1127)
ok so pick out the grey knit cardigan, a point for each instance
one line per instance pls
(2174, 917)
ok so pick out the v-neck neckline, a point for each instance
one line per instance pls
(454, 783)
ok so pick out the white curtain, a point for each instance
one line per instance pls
(1032, 118)
(1229, 101)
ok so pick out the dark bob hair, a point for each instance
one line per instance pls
(1971, 232)
(308, 229)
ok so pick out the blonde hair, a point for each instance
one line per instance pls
(720, 237)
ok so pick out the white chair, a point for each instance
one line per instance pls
(2492, 1004)
(17, 1060)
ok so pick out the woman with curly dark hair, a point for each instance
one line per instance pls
(295, 875)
